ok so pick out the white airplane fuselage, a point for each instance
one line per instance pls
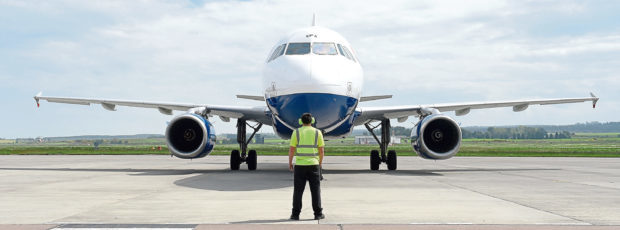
(313, 70)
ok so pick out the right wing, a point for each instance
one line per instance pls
(403, 112)
(259, 114)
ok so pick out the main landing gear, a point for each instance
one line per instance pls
(375, 157)
(236, 156)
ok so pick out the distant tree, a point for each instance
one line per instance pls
(401, 131)
(96, 144)
(521, 132)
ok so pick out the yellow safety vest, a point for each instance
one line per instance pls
(306, 145)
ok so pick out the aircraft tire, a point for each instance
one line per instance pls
(251, 160)
(391, 160)
(375, 160)
(235, 159)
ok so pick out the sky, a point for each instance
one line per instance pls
(422, 52)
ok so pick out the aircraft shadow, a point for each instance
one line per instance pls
(268, 176)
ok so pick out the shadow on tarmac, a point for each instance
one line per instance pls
(239, 180)
(268, 176)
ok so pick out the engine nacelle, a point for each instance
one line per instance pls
(436, 137)
(190, 136)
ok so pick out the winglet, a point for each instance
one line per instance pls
(594, 100)
(36, 98)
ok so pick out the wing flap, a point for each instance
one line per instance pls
(398, 112)
(66, 101)
(258, 114)
(373, 98)
(251, 97)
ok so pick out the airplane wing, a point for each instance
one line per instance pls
(225, 112)
(403, 112)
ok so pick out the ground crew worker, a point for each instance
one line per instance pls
(307, 147)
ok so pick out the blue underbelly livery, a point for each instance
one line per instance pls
(334, 114)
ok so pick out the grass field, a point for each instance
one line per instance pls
(582, 145)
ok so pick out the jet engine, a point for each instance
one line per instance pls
(436, 137)
(190, 136)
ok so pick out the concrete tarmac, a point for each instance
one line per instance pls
(529, 192)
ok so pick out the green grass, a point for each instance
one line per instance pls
(585, 145)
(596, 135)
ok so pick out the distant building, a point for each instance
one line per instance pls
(24, 140)
(370, 140)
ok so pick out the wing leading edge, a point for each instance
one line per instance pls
(225, 112)
(403, 112)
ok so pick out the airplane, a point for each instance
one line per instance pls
(315, 70)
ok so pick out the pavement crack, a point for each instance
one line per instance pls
(557, 180)
(511, 201)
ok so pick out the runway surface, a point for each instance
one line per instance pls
(512, 193)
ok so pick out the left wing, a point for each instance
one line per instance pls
(225, 112)
(403, 112)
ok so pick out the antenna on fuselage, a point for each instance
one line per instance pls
(313, 19)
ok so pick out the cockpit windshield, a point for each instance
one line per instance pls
(345, 52)
(298, 48)
(277, 52)
(318, 48)
(324, 48)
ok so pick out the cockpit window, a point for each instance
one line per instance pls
(344, 51)
(277, 52)
(298, 48)
(349, 53)
(282, 50)
(324, 48)
(340, 50)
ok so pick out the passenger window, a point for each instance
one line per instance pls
(324, 48)
(298, 49)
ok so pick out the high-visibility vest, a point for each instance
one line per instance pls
(306, 151)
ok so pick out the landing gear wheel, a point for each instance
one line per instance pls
(251, 160)
(235, 160)
(391, 160)
(375, 160)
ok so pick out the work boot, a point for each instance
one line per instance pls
(294, 217)
(319, 217)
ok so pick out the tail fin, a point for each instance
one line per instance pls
(313, 19)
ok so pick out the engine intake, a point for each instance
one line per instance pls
(436, 137)
(190, 136)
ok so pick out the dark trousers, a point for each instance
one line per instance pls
(311, 174)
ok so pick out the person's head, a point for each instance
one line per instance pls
(307, 119)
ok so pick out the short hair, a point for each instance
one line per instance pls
(306, 118)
